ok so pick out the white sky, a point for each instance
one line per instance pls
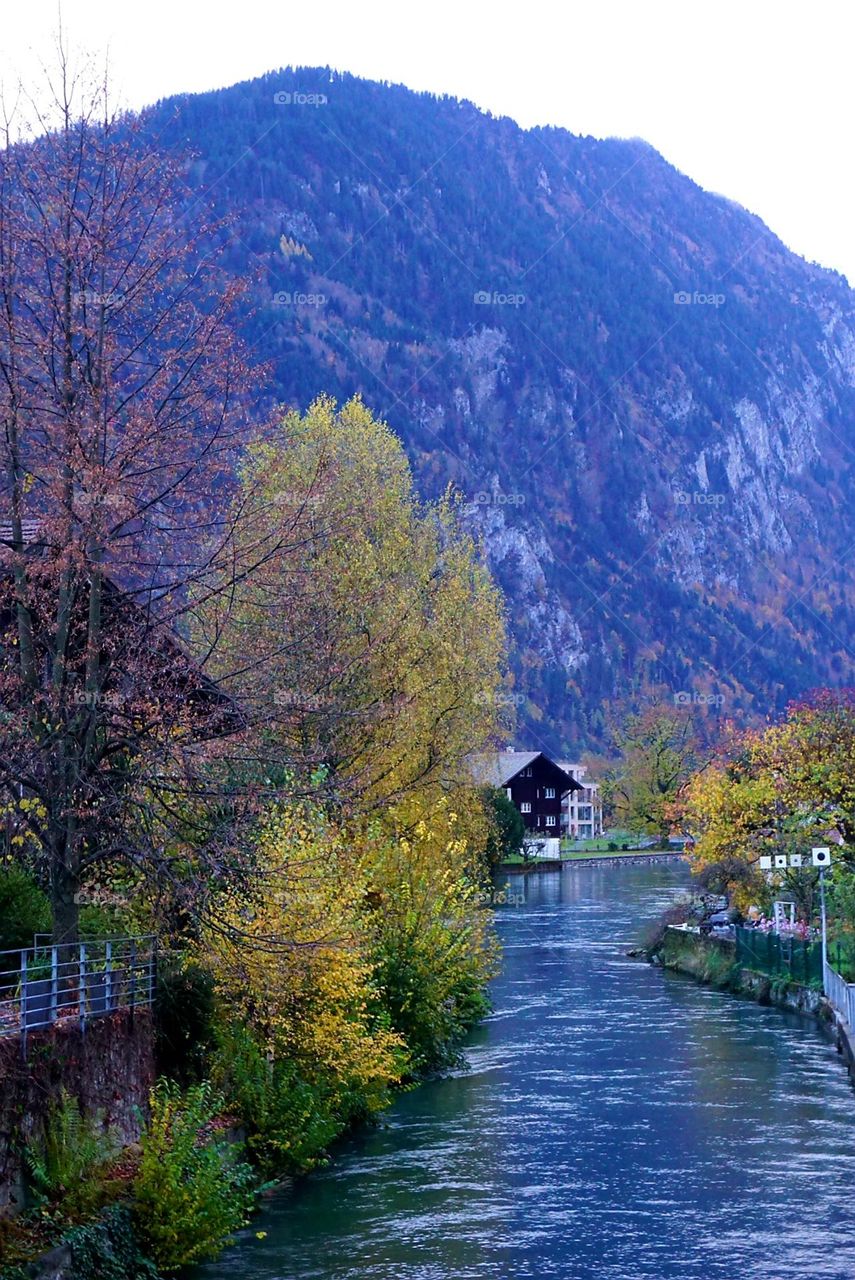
(751, 98)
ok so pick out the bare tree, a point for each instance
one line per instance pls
(126, 402)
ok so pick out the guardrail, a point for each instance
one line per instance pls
(778, 955)
(73, 982)
(841, 994)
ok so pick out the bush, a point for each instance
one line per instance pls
(108, 1249)
(290, 1120)
(98, 923)
(191, 1192)
(433, 988)
(24, 909)
(184, 1021)
(507, 829)
(64, 1165)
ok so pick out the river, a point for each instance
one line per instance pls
(615, 1123)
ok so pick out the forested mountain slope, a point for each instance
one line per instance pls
(644, 397)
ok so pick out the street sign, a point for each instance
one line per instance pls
(780, 860)
(766, 863)
(821, 857)
(796, 859)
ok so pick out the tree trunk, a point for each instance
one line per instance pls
(66, 910)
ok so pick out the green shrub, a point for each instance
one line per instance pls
(65, 1164)
(191, 1192)
(184, 1021)
(290, 1121)
(24, 909)
(98, 922)
(507, 829)
(108, 1249)
(433, 988)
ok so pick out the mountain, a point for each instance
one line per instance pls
(644, 398)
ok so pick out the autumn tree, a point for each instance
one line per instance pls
(657, 750)
(777, 791)
(378, 655)
(124, 399)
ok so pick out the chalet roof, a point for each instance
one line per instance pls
(496, 768)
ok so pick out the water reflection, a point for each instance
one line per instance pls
(616, 1122)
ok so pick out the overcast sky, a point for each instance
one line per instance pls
(751, 98)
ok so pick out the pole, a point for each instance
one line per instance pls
(824, 926)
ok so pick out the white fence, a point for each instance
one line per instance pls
(841, 994)
(543, 848)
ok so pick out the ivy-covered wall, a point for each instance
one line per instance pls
(108, 1067)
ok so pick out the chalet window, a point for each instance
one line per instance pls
(550, 819)
(549, 793)
(525, 807)
(508, 793)
(526, 773)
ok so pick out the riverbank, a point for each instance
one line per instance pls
(613, 1122)
(592, 860)
(712, 961)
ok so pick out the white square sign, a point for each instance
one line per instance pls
(796, 859)
(821, 857)
(766, 863)
(780, 859)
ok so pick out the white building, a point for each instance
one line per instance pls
(581, 811)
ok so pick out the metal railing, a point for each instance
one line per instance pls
(779, 955)
(841, 994)
(73, 982)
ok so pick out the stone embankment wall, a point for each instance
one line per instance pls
(108, 1066)
(713, 960)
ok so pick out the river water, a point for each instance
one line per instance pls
(615, 1123)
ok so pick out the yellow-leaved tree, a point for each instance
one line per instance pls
(370, 657)
(777, 791)
(374, 645)
(306, 1046)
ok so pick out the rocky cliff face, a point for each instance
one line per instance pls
(645, 400)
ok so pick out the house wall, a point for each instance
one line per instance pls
(525, 790)
(582, 811)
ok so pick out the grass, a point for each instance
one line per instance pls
(574, 855)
